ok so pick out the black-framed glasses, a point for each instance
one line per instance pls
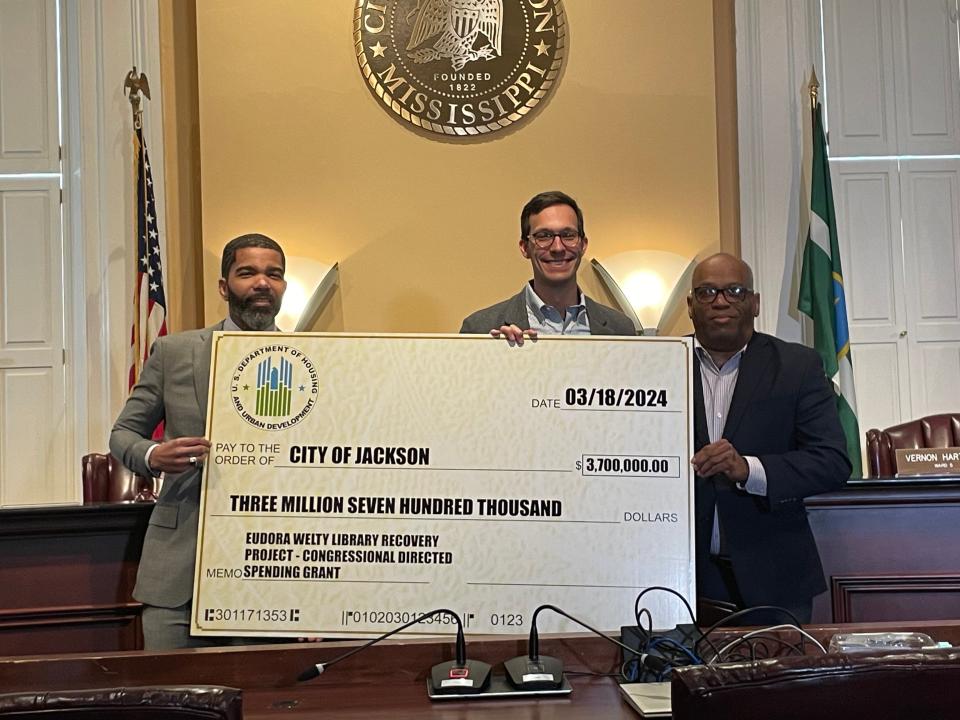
(732, 293)
(544, 238)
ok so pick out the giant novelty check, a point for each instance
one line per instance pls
(355, 482)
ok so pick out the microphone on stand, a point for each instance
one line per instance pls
(454, 677)
(534, 671)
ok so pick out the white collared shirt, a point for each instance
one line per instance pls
(718, 385)
(548, 320)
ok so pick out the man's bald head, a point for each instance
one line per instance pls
(725, 261)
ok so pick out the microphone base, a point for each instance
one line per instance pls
(544, 673)
(500, 689)
(449, 678)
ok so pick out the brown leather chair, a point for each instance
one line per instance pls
(932, 431)
(106, 480)
(909, 685)
(201, 702)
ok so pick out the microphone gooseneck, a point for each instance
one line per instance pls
(653, 662)
(461, 645)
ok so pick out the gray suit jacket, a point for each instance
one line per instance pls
(513, 311)
(173, 387)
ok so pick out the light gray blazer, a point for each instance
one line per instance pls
(173, 387)
(513, 311)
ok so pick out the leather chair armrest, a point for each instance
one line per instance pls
(920, 685)
(200, 702)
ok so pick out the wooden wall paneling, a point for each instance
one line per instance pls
(876, 598)
(67, 577)
(877, 529)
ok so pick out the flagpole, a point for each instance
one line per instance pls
(136, 84)
(135, 340)
(149, 300)
(821, 295)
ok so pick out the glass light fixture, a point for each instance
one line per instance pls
(309, 285)
(647, 284)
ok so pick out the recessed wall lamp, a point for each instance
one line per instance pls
(647, 284)
(309, 286)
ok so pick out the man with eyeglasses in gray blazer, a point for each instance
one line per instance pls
(552, 238)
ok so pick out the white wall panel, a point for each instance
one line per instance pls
(867, 199)
(866, 195)
(31, 444)
(860, 77)
(931, 230)
(28, 86)
(33, 454)
(100, 40)
(26, 282)
(935, 371)
(103, 39)
(882, 400)
(891, 89)
(927, 77)
(776, 43)
(931, 238)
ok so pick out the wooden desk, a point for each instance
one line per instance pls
(67, 576)
(890, 550)
(385, 681)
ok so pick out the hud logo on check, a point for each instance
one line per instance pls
(275, 387)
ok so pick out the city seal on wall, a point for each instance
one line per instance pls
(460, 68)
(274, 387)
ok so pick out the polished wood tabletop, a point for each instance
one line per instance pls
(387, 680)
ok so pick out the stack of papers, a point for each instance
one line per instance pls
(651, 700)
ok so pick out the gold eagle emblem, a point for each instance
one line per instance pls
(459, 23)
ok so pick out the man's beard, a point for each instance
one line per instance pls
(253, 317)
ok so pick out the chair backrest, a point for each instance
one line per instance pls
(932, 431)
(201, 702)
(909, 685)
(105, 479)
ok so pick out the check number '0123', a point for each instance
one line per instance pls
(630, 465)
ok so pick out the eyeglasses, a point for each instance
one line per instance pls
(732, 294)
(544, 238)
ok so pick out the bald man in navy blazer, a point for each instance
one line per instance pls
(767, 435)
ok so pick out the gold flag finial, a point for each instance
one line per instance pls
(814, 88)
(137, 84)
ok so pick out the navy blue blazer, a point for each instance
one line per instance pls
(784, 412)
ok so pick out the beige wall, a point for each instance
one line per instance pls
(294, 145)
(178, 65)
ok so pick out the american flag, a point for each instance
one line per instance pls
(149, 300)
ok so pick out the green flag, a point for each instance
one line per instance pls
(821, 292)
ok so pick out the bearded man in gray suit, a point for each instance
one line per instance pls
(552, 238)
(173, 388)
